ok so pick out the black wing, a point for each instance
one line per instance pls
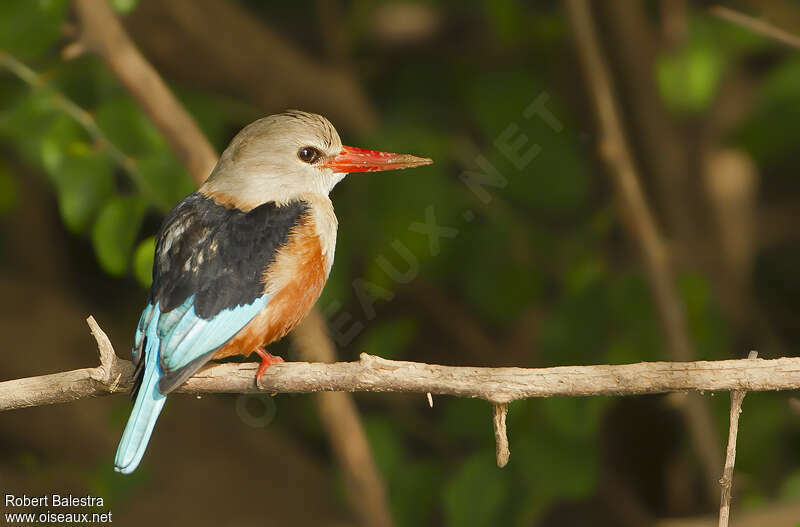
(218, 254)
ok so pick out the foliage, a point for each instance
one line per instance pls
(546, 241)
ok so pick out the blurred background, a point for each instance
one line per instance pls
(534, 269)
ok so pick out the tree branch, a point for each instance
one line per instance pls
(374, 374)
(756, 25)
(101, 33)
(726, 482)
(248, 59)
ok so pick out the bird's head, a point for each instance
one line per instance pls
(285, 156)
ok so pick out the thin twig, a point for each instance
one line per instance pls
(726, 482)
(770, 514)
(756, 25)
(374, 374)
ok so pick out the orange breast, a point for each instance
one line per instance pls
(295, 280)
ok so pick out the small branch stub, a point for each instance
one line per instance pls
(726, 481)
(108, 357)
(500, 433)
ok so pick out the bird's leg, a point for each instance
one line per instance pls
(267, 360)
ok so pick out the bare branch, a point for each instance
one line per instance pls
(726, 482)
(762, 27)
(374, 374)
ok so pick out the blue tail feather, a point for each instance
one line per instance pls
(148, 405)
(172, 346)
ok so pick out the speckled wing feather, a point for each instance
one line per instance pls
(208, 279)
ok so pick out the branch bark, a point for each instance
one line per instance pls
(756, 25)
(374, 374)
(236, 53)
(726, 482)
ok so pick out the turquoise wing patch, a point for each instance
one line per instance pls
(187, 341)
(186, 336)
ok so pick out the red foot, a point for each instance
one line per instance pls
(267, 360)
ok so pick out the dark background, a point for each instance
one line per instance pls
(539, 271)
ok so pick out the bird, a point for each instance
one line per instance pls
(242, 260)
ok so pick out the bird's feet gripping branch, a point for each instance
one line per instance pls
(267, 360)
(241, 261)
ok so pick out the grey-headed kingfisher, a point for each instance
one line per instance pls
(241, 261)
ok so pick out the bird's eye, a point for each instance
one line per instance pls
(308, 154)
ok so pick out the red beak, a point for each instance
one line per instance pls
(352, 159)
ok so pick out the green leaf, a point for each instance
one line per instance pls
(143, 261)
(688, 77)
(84, 182)
(33, 112)
(770, 131)
(62, 137)
(28, 28)
(168, 178)
(477, 493)
(124, 6)
(127, 127)
(115, 232)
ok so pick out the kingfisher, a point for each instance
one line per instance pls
(241, 261)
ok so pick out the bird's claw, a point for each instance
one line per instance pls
(267, 360)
